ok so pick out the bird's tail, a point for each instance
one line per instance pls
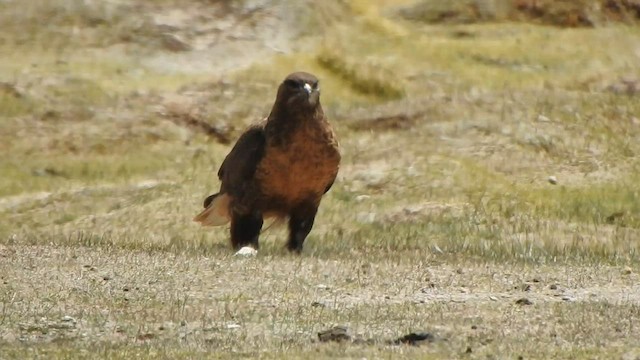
(216, 211)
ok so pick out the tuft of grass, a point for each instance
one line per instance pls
(459, 11)
(565, 13)
(360, 75)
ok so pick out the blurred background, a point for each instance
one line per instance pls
(115, 115)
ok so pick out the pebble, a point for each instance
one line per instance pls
(246, 251)
(543, 118)
(524, 301)
(336, 333)
(415, 338)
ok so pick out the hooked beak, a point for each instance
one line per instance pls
(308, 88)
(313, 94)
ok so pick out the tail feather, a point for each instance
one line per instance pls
(216, 212)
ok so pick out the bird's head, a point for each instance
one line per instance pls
(300, 90)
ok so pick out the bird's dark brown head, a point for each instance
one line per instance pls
(300, 91)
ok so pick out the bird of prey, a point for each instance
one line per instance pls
(280, 167)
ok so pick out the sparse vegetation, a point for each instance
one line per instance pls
(564, 13)
(362, 77)
(487, 158)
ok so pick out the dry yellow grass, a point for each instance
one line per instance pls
(442, 215)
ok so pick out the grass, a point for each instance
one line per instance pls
(442, 217)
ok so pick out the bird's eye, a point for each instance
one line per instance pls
(315, 85)
(292, 84)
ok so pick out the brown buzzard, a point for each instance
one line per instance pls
(280, 168)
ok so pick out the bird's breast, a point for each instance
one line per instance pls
(300, 169)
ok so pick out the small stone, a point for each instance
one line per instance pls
(493, 298)
(233, 326)
(543, 118)
(62, 325)
(460, 271)
(145, 337)
(174, 43)
(323, 287)
(627, 271)
(415, 338)
(413, 210)
(246, 251)
(568, 298)
(336, 333)
(68, 318)
(552, 180)
(106, 277)
(553, 287)
(524, 301)
(361, 198)
(436, 249)
(318, 304)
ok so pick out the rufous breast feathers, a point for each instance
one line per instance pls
(302, 170)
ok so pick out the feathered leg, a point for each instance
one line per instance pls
(300, 224)
(245, 230)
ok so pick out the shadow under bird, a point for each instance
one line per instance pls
(280, 167)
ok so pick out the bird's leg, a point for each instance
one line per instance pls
(245, 230)
(300, 224)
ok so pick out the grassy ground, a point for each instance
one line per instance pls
(444, 216)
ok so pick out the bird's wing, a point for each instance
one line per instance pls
(240, 165)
